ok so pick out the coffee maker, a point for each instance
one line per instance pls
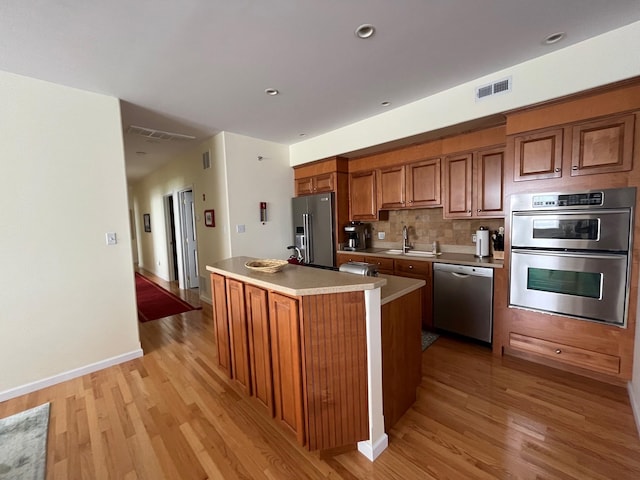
(358, 236)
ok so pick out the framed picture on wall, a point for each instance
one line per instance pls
(209, 218)
(147, 222)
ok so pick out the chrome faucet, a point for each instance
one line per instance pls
(406, 246)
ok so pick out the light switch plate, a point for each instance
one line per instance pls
(112, 239)
(381, 235)
(240, 228)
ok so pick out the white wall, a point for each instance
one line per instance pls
(67, 300)
(607, 58)
(233, 187)
(251, 181)
(185, 171)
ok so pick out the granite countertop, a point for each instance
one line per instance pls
(444, 257)
(296, 280)
(397, 287)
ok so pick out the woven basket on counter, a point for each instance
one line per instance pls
(266, 265)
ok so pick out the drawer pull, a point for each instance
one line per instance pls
(410, 267)
(558, 351)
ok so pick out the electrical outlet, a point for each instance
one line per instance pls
(474, 238)
(381, 235)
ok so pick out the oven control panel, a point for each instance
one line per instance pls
(568, 200)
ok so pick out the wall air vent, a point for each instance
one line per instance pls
(206, 160)
(495, 88)
(152, 133)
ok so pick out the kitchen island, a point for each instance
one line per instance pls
(308, 345)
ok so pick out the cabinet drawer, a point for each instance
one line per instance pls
(348, 257)
(579, 357)
(385, 265)
(414, 267)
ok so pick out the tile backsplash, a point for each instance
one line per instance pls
(426, 225)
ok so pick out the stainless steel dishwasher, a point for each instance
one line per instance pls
(463, 300)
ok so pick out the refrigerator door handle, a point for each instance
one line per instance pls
(308, 252)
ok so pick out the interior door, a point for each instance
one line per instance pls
(190, 245)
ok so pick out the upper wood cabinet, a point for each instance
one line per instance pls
(489, 183)
(317, 184)
(457, 186)
(594, 147)
(413, 185)
(391, 189)
(474, 184)
(423, 183)
(363, 203)
(603, 146)
(538, 155)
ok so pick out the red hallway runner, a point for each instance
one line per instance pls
(155, 302)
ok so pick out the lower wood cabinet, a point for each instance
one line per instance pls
(568, 354)
(239, 336)
(286, 357)
(423, 271)
(302, 358)
(401, 355)
(221, 322)
(257, 310)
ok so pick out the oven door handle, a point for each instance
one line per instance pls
(554, 253)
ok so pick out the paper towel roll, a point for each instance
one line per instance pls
(482, 243)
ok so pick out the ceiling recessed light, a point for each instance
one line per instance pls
(385, 104)
(271, 91)
(141, 153)
(554, 38)
(365, 31)
(302, 134)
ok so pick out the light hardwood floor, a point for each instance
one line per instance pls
(173, 415)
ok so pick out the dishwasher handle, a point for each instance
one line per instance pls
(460, 275)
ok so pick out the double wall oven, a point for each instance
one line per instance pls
(571, 253)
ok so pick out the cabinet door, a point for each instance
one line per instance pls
(392, 188)
(347, 257)
(304, 186)
(287, 364)
(457, 186)
(603, 146)
(538, 155)
(239, 335)
(424, 271)
(489, 183)
(324, 183)
(385, 265)
(423, 183)
(362, 196)
(221, 322)
(259, 346)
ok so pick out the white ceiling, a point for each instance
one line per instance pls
(199, 67)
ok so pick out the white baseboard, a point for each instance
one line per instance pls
(372, 450)
(635, 406)
(68, 375)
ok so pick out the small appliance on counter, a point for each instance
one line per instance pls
(360, 268)
(358, 236)
(482, 242)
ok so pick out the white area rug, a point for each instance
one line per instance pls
(23, 444)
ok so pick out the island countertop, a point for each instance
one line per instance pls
(296, 280)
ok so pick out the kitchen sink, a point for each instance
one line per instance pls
(411, 253)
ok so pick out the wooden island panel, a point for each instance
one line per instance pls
(335, 350)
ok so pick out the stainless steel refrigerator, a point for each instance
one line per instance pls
(313, 228)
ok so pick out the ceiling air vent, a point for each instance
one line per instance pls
(495, 88)
(158, 134)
